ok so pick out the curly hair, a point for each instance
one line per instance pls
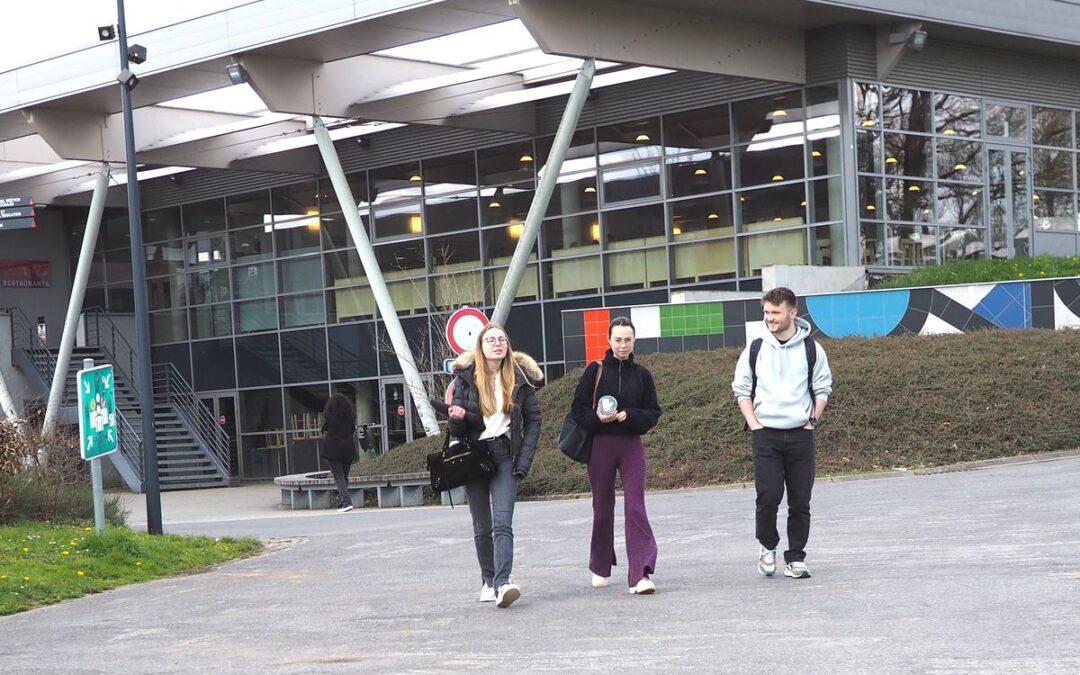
(340, 409)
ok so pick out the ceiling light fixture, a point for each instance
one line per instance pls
(676, 231)
(890, 160)
(780, 112)
(777, 177)
(701, 172)
(713, 216)
(589, 189)
(643, 138)
(914, 188)
(525, 158)
(415, 178)
(815, 153)
(949, 132)
(871, 207)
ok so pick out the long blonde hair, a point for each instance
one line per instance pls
(507, 372)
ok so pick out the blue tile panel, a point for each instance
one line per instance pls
(1007, 306)
(858, 314)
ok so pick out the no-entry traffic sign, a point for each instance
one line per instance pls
(463, 327)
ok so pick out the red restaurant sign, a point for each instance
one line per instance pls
(25, 274)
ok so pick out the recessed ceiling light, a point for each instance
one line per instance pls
(780, 112)
(913, 188)
(713, 216)
(949, 132)
(590, 189)
(778, 177)
(701, 172)
(960, 166)
(890, 160)
(642, 138)
(676, 230)
(815, 153)
(415, 178)
(871, 207)
(525, 158)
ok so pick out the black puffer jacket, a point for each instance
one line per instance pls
(524, 419)
(631, 385)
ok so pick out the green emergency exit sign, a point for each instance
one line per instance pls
(97, 412)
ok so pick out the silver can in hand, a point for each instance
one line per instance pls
(607, 405)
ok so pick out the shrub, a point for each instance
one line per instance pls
(982, 271)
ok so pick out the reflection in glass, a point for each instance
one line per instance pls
(908, 155)
(702, 218)
(628, 228)
(256, 315)
(168, 326)
(872, 243)
(529, 289)
(1054, 211)
(700, 129)
(251, 245)
(200, 217)
(303, 355)
(1051, 126)
(961, 243)
(571, 235)
(633, 182)
(215, 367)
(868, 151)
(825, 153)
(959, 204)
(646, 268)
(206, 251)
(699, 173)
(258, 363)
(252, 281)
(209, 286)
(573, 194)
(349, 304)
(780, 206)
(763, 163)
(499, 244)
(957, 115)
(302, 310)
(447, 213)
(404, 259)
(300, 274)
(826, 200)
(398, 219)
(328, 201)
(1006, 121)
(454, 290)
(906, 109)
(574, 276)
(909, 200)
(774, 248)
(581, 156)
(211, 321)
(263, 455)
(959, 160)
(704, 261)
(118, 265)
(299, 200)
(867, 105)
(505, 204)
(456, 253)
(410, 296)
(629, 141)
(450, 174)
(1053, 168)
(165, 292)
(304, 408)
(827, 244)
(261, 408)
(343, 268)
(296, 237)
(250, 208)
(506, 163)
(161, 224)
(768, 117)
(912, 246)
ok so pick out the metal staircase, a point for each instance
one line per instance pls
(193, 450)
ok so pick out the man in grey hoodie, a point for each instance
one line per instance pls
(782, 383)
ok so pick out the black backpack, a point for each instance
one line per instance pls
(811, 361)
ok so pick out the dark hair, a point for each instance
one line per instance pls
(779, 296)
(620, 321)
(339, 409)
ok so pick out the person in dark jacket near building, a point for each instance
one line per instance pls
(617, 446)
(494, 400)
(339, 444)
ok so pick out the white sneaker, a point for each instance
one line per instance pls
(346, 508)
(766, 561)
(796, 570)
(599, 581)
(508, 593)
(643, 587)
(487, 594)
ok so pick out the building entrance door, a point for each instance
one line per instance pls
(223, 408)
(397, 415)
(1010, 202)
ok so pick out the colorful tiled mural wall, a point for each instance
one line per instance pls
(1051, 303)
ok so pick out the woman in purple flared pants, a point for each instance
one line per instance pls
(617, 447)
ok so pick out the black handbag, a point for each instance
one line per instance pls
(575, 442)
(461, 461)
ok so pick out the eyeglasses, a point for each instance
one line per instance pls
(495, 340)
(623, 341)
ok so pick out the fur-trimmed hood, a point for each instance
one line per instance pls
(526, 365)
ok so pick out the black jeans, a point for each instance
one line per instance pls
(784, 457)
(340, 470)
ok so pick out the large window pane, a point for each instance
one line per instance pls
(335, 231)
(349, 304)
(251, 208)
(528, 290)
(822, 107)
(253, 281)
(959, 160)
(826, 200)
(410, 296)
(826, 153)
(1051, 126)
(628, 228)
(575, 276)
(700, 129)
(258, 364)
(500, 243)
(161, 224)
(118, 265)
(868, 151)
(214, 366)
(303, 355)
(872, 243)
(163, 258)
(455, 253)
(403, 259)
(912, 246)
(256, 315)
(209, 251)
(581, 156)
(211, 321)
(959, 204)
(352, 351)
(454, 290)
(505, 204)
(447, 213)
(909, 200)
(261, 408)
(629, 141)
(1006, 121)
(302, 310)
(631, 183)
(573, 194)
(263, 455)
(1054, 211)
(961, 243)
(762, 163)
(571, 235)
(304, 407)
(773, 248)
(646, 268)
(1053, 168)
(957, 115)
(452, 173)
(699, 173)
(343, 268)
(398, 219)
(165, 292)
(908, 155)
(506, 163)
(906, 109)
(870, 198)
(296, 237)
(300, 274)
(168, 326)
(701, 218)
(209, 286)
(251, 245)
(867, 105)
(778, 206)
(768, 117)
(827, 244)
(200, 217)
(704, 261)
(300, 200)
(328, 200)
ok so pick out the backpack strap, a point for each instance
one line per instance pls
(811, 361)
(755, 349)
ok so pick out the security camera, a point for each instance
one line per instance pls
(106, 33)
(128, 79)
(237, 74)
(137, 54)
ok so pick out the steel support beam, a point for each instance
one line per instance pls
(542, 196)
(75, 301)
(375, 278)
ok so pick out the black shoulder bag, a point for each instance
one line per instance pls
(461, 461)
(575, 442)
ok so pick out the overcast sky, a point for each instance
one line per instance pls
(38, 29)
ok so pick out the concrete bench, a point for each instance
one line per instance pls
(314, 490)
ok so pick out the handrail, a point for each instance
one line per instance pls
(170, 384)
(121, 354)
(24, 336)
(130, 444)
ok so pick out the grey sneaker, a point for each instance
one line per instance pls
(796, 570)
(766, 562)
(345, 508)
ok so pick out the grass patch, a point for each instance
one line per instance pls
(42, 563)
(983, 271)
(906, 401)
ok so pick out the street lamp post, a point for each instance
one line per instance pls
(138, 276)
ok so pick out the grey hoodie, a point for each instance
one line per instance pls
(782, 400)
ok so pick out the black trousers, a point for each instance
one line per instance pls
(340, 470)
(784, 457)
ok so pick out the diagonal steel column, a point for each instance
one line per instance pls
(378, 285)
(543, 192)
(7, 404)
(75, 302)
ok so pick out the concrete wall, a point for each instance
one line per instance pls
(46, 242)
(18, 386)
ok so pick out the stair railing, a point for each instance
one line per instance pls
(170, 385)
(24, 336)
(103, 333)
